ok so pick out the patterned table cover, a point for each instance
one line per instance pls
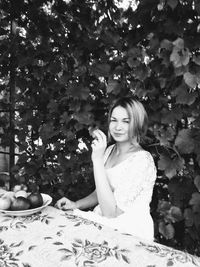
(54, 238)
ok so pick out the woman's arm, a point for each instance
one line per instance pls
(87, 202)
(104, 192)
(84, 203)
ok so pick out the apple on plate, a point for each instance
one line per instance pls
(19, 187)
(20, 203)
(21, 193)
(16, 188)
(35, 199)
(5, 203)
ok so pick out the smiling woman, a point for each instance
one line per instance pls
(124, 174)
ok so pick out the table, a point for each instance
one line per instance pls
(54, 238)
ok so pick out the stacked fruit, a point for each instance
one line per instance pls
(20, 199)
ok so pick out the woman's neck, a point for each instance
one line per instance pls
(123, 148)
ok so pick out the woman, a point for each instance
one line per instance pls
(124, 174)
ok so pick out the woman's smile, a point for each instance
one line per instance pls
(118, 134)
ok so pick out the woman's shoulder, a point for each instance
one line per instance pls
(143, 156)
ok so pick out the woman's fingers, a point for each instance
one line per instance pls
(99, 135)
(65, 204)
(61, 202)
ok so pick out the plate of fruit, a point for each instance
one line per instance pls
(20, 202)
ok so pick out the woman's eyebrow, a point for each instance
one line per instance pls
(126, 118)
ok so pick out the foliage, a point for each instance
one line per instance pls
(71, 59)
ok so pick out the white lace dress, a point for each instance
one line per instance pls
(132, 183)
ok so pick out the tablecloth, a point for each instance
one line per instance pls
(54, 238)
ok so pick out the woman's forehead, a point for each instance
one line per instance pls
(119, 112)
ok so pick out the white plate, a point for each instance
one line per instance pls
(46, 201)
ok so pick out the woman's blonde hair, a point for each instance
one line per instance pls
(137, 115)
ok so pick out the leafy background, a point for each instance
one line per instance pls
(63, 62)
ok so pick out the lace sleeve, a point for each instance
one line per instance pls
(137, 183)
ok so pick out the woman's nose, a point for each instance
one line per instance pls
(118, 126)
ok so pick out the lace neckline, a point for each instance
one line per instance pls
(123, 161)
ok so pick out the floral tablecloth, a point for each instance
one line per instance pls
(54, 238)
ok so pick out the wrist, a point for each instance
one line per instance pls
(97, 161)
(77, 204)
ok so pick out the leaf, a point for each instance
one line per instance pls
(117, 255)
(126, 259)
(66, 257)
(166, 135)
(171, 116)
(133, 62)
(180, 55)
(52, 106)
(197, 219)
(58, 243)
(79, 241)
(195, 200)
(197, 182)
(164, 206)
(19, 253)
(78, 245)
(65, 250)
(113, 85)
(79, 91)
(16, 244)
(101, 70)
(31, 247)
(172, 3)
(184, 141)
(189, 217)
(83, 117)
(166, 44)
(167, 230)
(47, 131)
(48, 237)
(190, 79)
(183, 96)
(196, 59)
(179, 43)
(170, 166)
(176, 214)
(90, 262)
(64, 118)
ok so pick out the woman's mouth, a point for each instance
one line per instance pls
(118, 134)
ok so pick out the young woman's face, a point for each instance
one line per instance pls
(119, 124)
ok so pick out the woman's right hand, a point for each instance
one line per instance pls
(65, 204)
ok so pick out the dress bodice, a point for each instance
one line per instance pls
(132, 180)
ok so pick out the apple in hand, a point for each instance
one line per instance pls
(35, 199)
(20, 203)
(5, 203)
